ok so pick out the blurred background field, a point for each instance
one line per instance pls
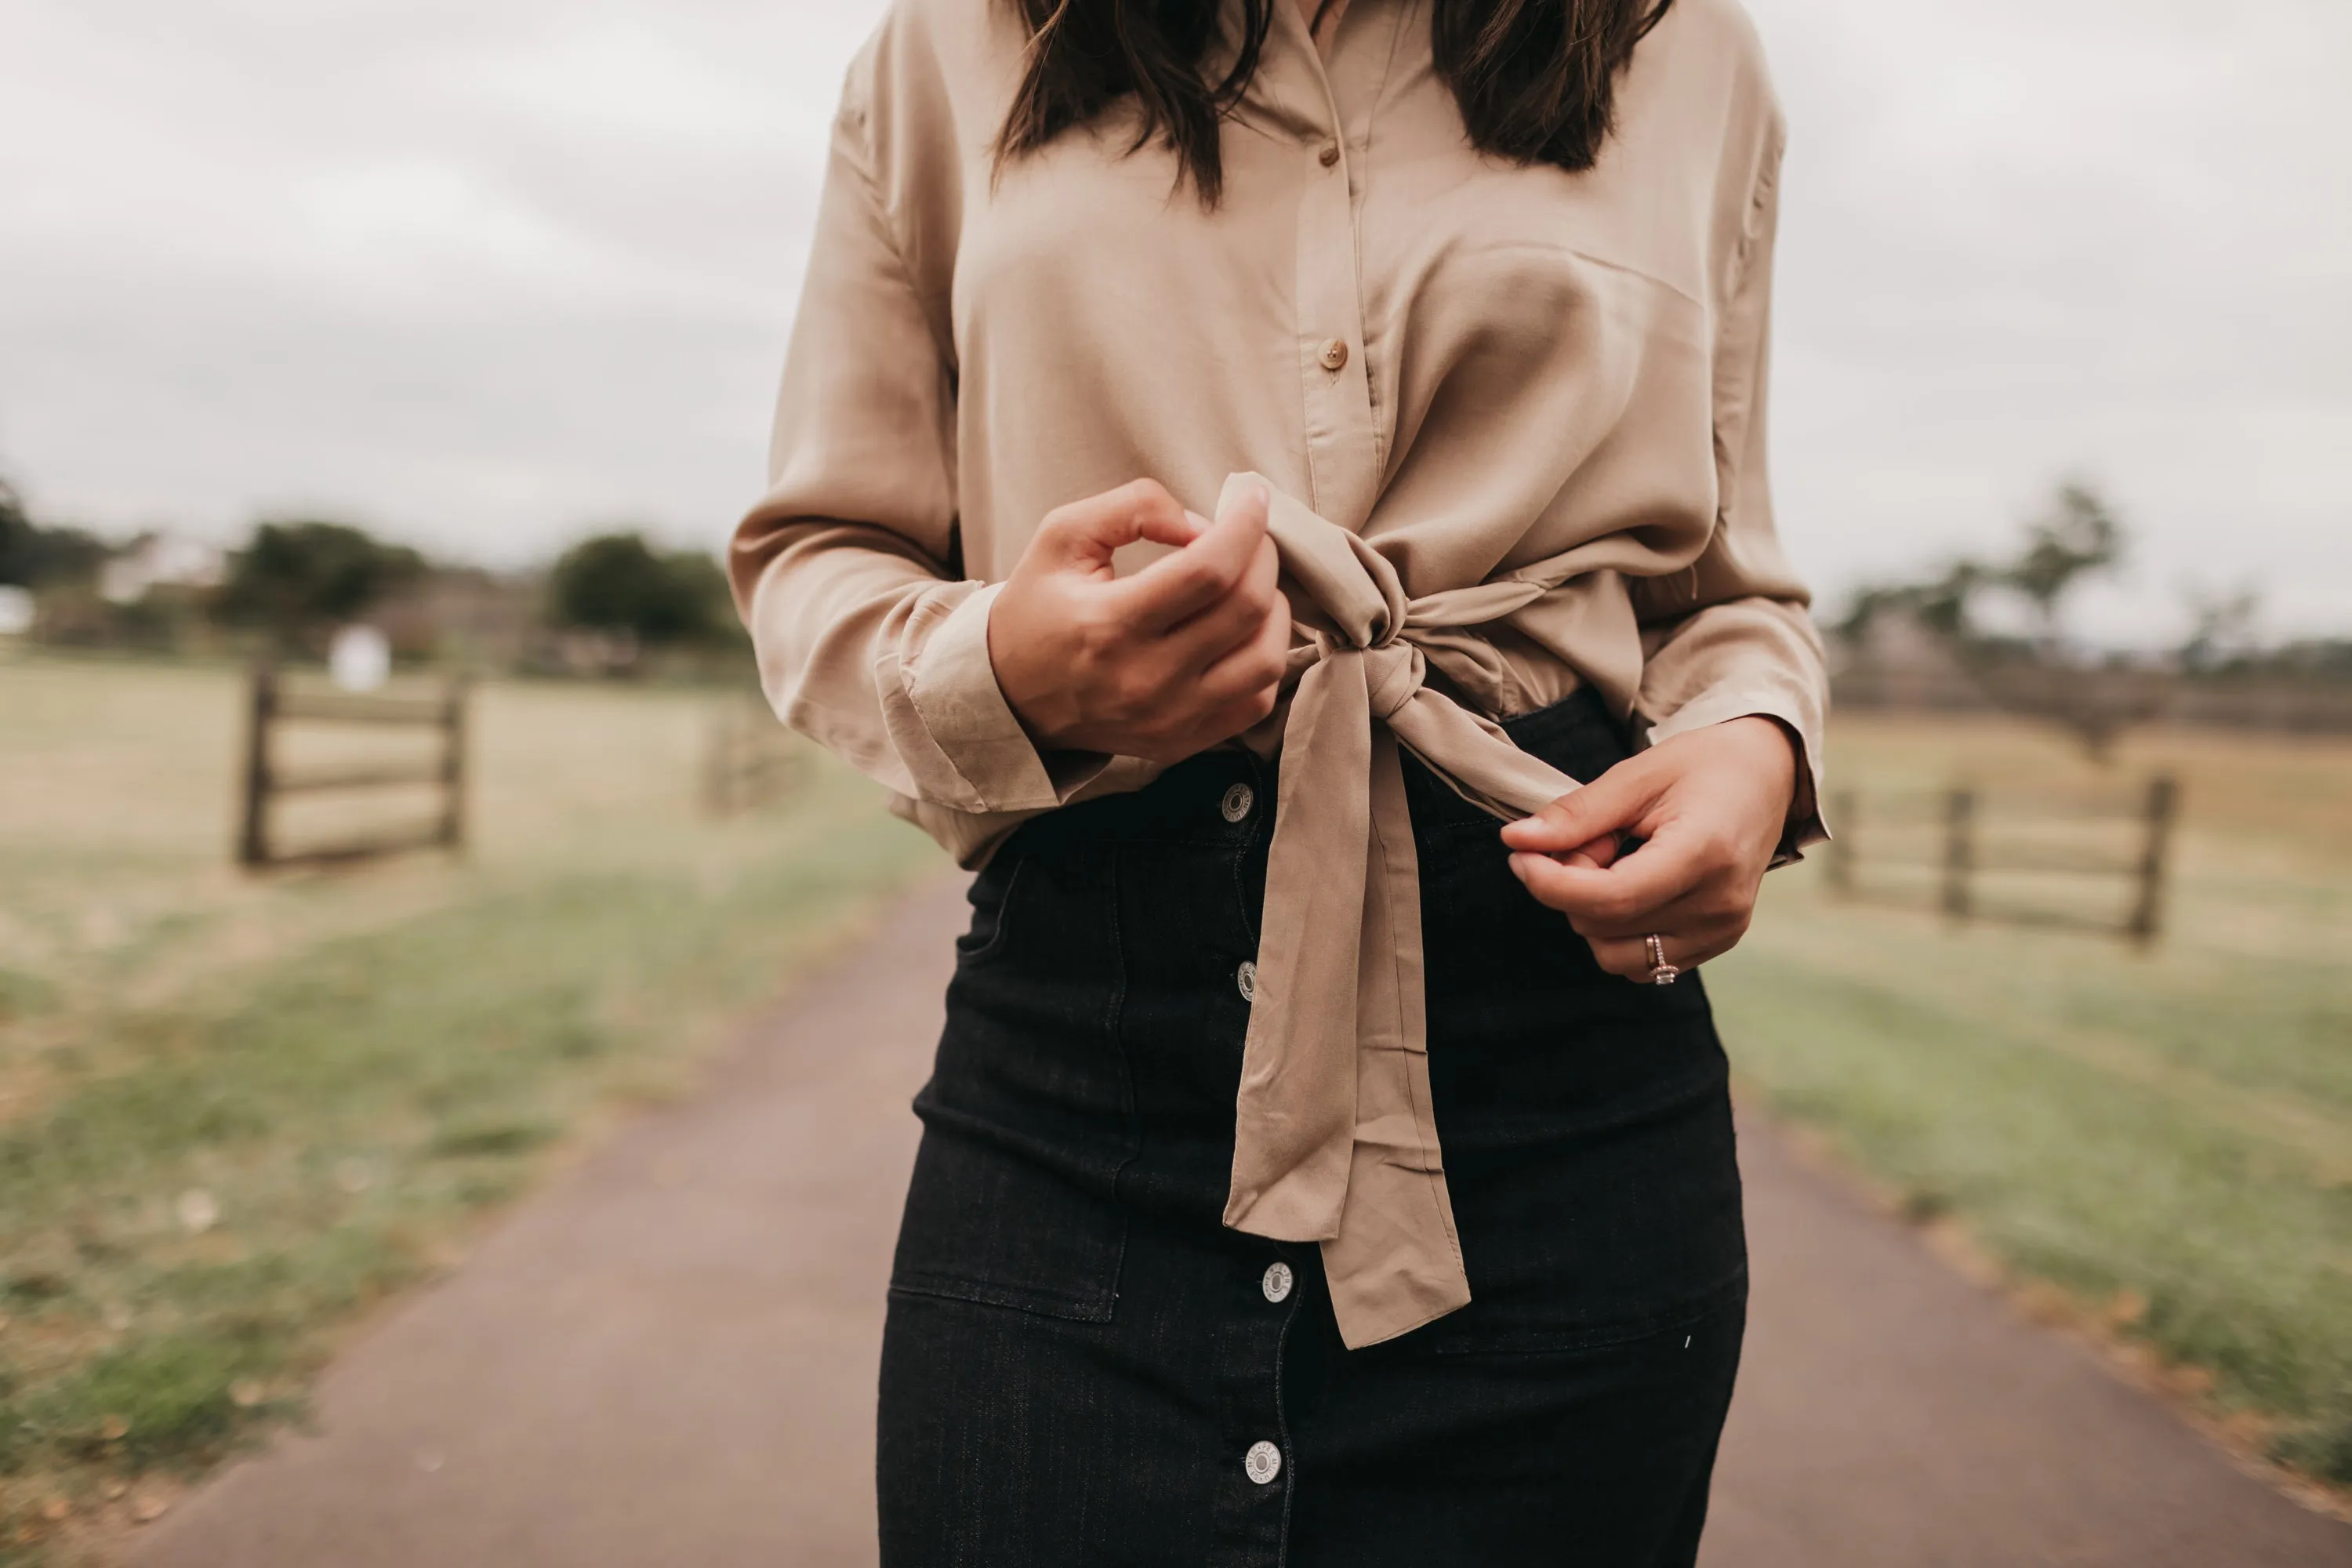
(235, 1113)
(2163, 1139)
(459, 327)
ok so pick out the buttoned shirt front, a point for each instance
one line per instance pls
(1513, 420)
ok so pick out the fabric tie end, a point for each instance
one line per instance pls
(1280, 1217)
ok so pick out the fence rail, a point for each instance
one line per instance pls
(273, 706)
(347, 707)
(2275, 706)
(2037, 837)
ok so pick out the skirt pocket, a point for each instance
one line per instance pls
(991, 895)
(1029, 1117)
(984, 1226)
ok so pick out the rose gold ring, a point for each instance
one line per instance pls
(1661, 971)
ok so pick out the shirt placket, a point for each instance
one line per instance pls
(1342, 437)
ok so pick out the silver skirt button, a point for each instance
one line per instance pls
(1246, 978)
(1238, 800)
(1264, 1462)
(1276, 1283)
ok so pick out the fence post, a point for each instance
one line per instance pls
(2147, 910)
(734, 790)
(1960, 850)
(453, 763)
(719, 763)
(253, 834)
(1846, 809)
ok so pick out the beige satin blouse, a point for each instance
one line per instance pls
(1514, 420)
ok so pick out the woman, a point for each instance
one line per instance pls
(1297, 1186)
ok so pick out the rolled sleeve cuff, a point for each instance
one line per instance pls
(954, 692)
(1796, 713)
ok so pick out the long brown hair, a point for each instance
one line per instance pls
(1535, 80)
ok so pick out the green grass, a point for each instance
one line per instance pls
(347, 1073)
(241, 1115)
(2170, 1132)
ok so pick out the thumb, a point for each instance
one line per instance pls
(1247, 506)
(1601, 810)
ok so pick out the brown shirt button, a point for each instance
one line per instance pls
(1331, 153)
(1335, 354)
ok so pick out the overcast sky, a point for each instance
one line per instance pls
(487, 273)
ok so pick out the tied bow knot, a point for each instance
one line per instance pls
(1334, 1139)
(1393, 672)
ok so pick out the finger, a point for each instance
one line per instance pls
(1224, 723)
(1241, 691)
(1627, 958)
(1086, 532)
(1617, 800)
(1631, 889)
(1236, 621)
(1630, 956)
(1178, 586)
(1207, 728)
(1712, 902)
(1254, 668)
(1597, 853)
(1194, 709)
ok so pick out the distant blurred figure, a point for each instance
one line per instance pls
(359, 659)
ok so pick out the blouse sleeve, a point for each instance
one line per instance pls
(1730, 636)
(869, 640)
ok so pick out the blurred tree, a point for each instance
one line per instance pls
(298, 580)
(617, 583)
(2046, 673)
(2225, 631)
(32, 556)
(2078, 538)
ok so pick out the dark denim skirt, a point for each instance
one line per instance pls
(1080, 1359)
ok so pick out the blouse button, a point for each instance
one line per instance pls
(1335, 354)
(1264, 1462)
(1237, 802)
(1330, 155)
(1276, 1283)
(1246, 978)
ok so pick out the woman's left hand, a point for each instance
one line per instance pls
(1709, 805)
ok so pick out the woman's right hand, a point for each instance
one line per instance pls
(1185, 653)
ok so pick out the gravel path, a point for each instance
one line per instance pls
(667, 1361)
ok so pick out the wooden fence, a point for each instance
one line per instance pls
(2130, 698)
(2022, 859)
(276, 704)
(750, 761)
